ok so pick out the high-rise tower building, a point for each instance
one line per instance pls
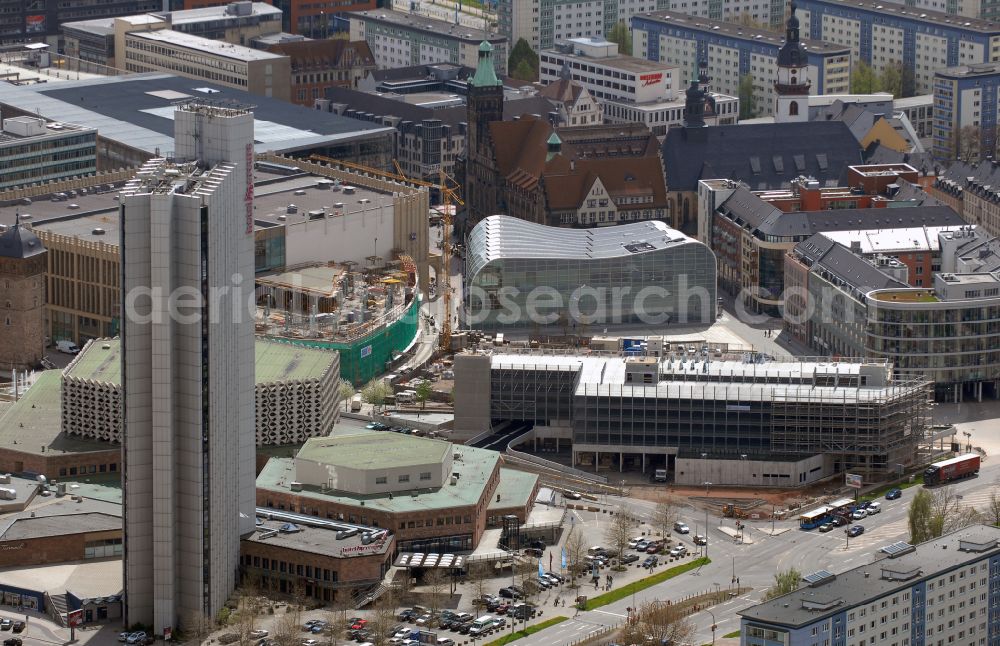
(187, 363)
(23, 260)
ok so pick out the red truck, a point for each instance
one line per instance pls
(952, 469)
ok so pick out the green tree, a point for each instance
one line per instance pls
(522, 53)
(620, 34)
(891, 79)
(784, 582)
(523, 72)
(920, 517)
(424, 392)
(375, 392)
(863, 79)
(345, 390)
(747, 108)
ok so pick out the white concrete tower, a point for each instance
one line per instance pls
(792, 86)
(188, 369)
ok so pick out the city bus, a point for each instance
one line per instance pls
(815, 518)
(842, 506)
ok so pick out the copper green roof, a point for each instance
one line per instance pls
(486, 75)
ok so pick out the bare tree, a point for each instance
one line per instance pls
(576, 548)
(992, 513)
(336, 623)
(527, 577)
(285, 631)
(437, 584)
(245, 615)
(197, 625)
(384, 618)
(658, 623)
(298, 602)
(619, 532)
(479, 578)
(664, 517)
(950, 514)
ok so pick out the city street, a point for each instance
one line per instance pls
(756, 564)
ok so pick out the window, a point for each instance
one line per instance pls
(404, 478)
(426, 475)
(793, 107)
(381, 480)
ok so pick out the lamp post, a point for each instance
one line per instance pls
(713, 624)
(968, 441)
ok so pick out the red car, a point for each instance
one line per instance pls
(502, 608)
(653, 548)
(359, 624)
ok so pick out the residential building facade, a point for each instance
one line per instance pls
(941, 590)
(970, 189)
(921, 40)
(733, 51)
(188, 379)
(400, 39)
(965, 111)
(543, 22)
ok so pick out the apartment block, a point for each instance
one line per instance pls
(733, 51)
(543, 22)
(33, 151)
(884, 33)
(942, 591)
(42, 19)
(235, 66)
(965, 111)
(399, 39)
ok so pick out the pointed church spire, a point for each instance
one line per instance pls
(486, 74)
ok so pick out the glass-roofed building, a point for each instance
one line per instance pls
(522, 274)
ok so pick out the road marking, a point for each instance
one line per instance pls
(613, 614)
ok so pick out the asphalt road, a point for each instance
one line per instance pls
(755, 564)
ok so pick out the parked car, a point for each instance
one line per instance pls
(12, 641)
(654, 548)
(650, 561)
(855, 530)
(357, 625)
(634, 542)
(136, 638)
(572, 495)
(893, 494)
(839, 521)
(681, 528)
(258, 634)
(874, 508)
(859, 514)
(700, 539)
(678, 551)
(5, 623)
(19, 626)
(310, 642)
(642, 545)
(629, 558)
(826, 527)
(534, 551)
(508, 593)
(123, 637)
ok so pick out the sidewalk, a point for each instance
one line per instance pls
(742, 538)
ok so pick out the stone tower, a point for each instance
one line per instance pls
(23, 262)
(485, 104)
(792, 86)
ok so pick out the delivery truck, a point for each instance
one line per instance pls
(944, 471)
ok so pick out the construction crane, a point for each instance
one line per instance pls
(449, 195)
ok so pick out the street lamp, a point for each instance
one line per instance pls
(968, 441)
(713, 624)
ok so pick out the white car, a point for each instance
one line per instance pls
(259, 634)
(681, 528)
(635, 541)
(310, 642)
(858, 514)
(874, 508)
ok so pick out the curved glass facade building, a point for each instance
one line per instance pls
(521, 274)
